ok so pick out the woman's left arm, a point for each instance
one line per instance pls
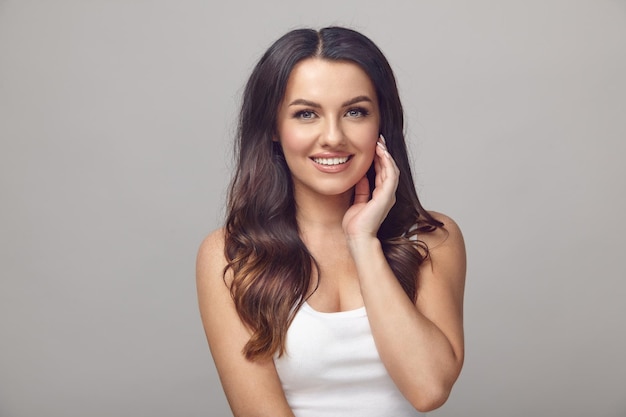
(420, 344)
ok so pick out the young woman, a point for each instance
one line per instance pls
(330, 291)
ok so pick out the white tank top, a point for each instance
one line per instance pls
(331, 368)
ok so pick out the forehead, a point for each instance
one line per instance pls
(322, 81)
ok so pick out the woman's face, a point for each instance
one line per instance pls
(328, 125)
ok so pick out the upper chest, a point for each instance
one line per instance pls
(335, 283)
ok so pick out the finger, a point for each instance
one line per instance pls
(389, 164)
(362, 191)
(378, 168)
(379, 160)
(388, 175)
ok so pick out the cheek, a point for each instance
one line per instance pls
(367, 147)
(294, 139)
(370, 137)
(361, 131)
(371, 154)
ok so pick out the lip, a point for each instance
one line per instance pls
(331, 155)
(331, 169)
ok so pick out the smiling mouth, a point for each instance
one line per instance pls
(331, 161)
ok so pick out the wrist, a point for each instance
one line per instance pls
(363, 244)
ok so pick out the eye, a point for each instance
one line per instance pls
(357, 112)
(304, 114)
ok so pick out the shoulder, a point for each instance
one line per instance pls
(213, 242)
(446, 251)
(210, 261)
(449, 235)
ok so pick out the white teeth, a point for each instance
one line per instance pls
(331, 161)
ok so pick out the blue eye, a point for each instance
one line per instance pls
(304, 114)
(357, 112)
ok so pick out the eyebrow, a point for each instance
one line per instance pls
(303, 102)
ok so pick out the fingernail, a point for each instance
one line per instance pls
(383, 139)
(381, 146)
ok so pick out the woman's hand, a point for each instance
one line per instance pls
(365, 216)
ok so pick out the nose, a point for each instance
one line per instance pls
(332, 135)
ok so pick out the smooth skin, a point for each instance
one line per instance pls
(421, 344)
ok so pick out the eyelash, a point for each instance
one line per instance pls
(300, 113)
(363, 112)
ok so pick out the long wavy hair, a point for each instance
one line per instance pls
(271, 266)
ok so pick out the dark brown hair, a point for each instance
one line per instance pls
(270, 264)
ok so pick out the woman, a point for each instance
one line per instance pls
(330, 291)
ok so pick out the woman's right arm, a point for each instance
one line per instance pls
(252, 387)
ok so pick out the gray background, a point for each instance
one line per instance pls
(115, 125)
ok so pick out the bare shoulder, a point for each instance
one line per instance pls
(444, 270)
(449, 235)
(210, 260)
(212, 247)
(213, 293)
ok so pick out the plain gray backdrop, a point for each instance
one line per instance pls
(116, 120)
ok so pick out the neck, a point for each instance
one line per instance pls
(321, 213)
